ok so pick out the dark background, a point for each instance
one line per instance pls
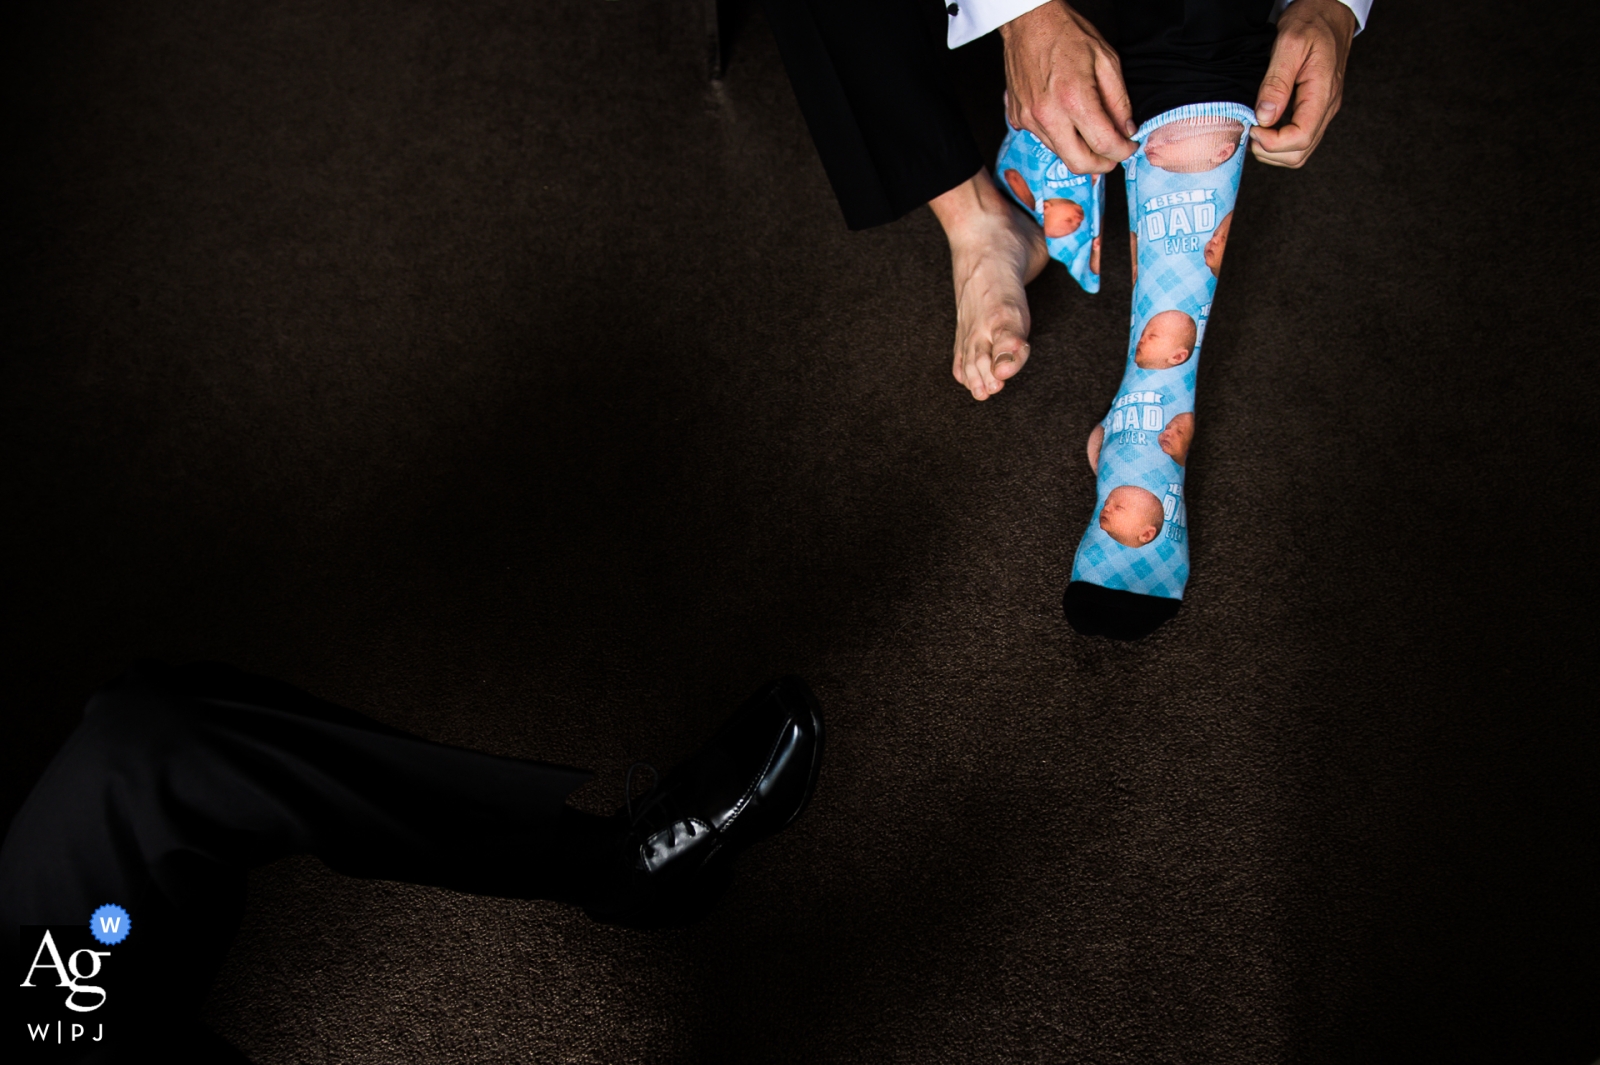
(484, 367)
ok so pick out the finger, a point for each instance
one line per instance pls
(1291, 157)
(1108, 75)
(1292, 160)
(1281, 141)
(1095, 125)
(1304, 128)
(1272, 102)
(1063, 138)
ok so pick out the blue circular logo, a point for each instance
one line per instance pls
(110, 924)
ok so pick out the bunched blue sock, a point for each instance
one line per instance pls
(1132, 564)
(1069, 206)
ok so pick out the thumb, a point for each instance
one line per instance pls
(1276, 88)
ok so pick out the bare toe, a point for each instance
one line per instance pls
(967, 373)
(984, 364)
(1010, 352)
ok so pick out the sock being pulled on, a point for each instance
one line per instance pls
(1132, 564)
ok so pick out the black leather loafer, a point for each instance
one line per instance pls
(751, 780)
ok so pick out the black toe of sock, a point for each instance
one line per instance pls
(1097, 611)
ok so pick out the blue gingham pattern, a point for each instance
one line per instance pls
(1167, 211)
(1048, 178)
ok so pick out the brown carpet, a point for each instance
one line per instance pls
(482, 367)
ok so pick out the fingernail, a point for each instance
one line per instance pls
(1130, 127)
(1266, 113)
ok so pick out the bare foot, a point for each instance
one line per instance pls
(995, 250)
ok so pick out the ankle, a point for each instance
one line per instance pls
(973, 204)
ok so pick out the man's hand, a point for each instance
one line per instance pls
(1064, 85)
(1304, 81)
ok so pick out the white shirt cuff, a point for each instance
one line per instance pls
(974, 18)
(1358, 8)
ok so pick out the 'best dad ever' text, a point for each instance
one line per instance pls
(1178, 217)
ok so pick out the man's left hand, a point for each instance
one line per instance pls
(1304, 81)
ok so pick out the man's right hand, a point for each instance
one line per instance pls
(1064, 85)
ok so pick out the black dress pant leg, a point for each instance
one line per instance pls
(178, 781)
(1177, 52)
(873, 81)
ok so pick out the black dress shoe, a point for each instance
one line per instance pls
(751, 780)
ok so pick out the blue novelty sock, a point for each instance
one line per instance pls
(1133, 561)
(1069, 206)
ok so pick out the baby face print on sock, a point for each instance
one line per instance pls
(1193, 145)
(1019, 187)
(1182, 185)
(1132, 516)
(1062, 219)
(1218, 244)
(1167, 340)
(1177, 436)
(1068, 206)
